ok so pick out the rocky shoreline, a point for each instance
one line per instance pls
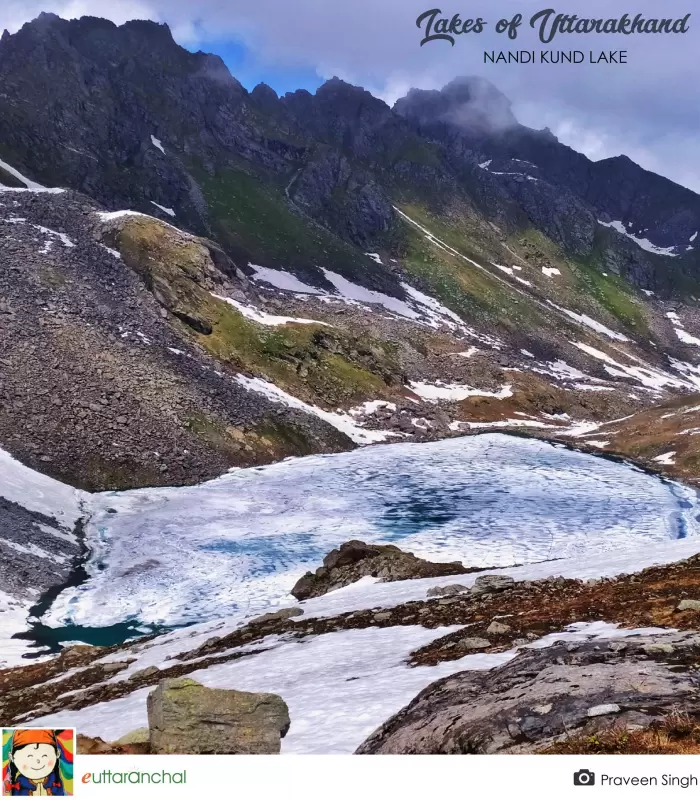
(496, 615)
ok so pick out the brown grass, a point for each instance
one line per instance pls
(677, 734)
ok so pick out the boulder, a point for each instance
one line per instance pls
(138, 736)
(548, 695)
(185, 717)
(446, 591)
(474, 643)
(355, 559)
(688, 605)
(492, 583)
(273, 616)
(496, 628)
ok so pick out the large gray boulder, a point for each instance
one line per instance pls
(547, 695)
(185, 717)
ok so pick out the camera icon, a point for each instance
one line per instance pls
(584, 777)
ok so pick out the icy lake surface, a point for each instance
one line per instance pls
(238, 543)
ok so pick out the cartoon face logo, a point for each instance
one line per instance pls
(37, 763)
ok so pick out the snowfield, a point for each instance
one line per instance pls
(339, 686)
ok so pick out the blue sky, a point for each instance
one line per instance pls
(243, 64)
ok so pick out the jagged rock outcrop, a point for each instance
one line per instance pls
(356, 559)
(547, 695)
(185, 717)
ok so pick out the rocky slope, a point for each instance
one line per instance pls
(419, 270)
(103, 381)
(545, 696)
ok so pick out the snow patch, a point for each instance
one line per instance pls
(342, 422)
(685, 337)
(454, 391)
(37, 492)
(667, 459)
(111, 251)
(645, 244)
(28, 182)
(468, 353)
(282, 280)
(371, 407)
(560, 369)
(651, 378)
(591, 323)
(164, 209)
(262, 317)
(157, 143)
(550, 272)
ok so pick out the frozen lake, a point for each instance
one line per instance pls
(238, 543)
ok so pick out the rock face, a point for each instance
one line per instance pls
(82, 107)
(356, 559)
(22, 571)
(543, 696)
(492, 583)
(185, 717)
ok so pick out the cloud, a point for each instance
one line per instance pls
(648, 108)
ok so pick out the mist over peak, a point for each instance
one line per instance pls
(469, 102)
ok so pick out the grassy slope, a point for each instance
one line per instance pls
(255, 223)
(317, 363)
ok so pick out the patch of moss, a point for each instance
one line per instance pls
(102, 475)
(298, 359)
(614, 294)
(282, 439)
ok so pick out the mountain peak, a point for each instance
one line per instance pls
(468, 102)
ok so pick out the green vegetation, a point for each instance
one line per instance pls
(583, 283)
(316, 363)
(614, 294)
(463, 287)
(319, 366)
(255, 223)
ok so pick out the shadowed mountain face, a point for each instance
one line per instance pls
(307, 262)
(127, 116)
